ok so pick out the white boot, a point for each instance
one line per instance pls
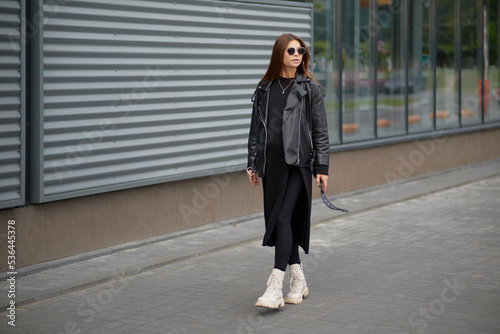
(298, 286)
(273, 297)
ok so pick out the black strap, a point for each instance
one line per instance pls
(328, 203)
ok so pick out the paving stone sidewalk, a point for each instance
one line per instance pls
(418, 256)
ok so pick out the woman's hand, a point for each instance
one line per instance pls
(322, 179)
(252, 177)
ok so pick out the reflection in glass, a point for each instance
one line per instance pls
(382, 72)
(420, 81)
(391, 68)
(471, 62)
(492, 61)
(357, 74)
(446, 65)
(325, 63)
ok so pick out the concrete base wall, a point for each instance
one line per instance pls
(60, 229)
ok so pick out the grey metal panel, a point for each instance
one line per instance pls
(12, 104)
(134, 93)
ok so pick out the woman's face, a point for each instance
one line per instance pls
(293, 61)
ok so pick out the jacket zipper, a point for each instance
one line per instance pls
(265, 128)
(310, 139)
(300, 121)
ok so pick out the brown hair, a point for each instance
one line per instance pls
(276, 62)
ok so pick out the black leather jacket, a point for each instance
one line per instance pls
(304, 127)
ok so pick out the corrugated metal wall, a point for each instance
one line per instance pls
(12, 104)
(134, 93)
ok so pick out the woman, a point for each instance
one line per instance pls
(288, 143)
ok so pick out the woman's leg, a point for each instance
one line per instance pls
(294, 256)
(286, 249)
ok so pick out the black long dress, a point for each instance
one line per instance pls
(277, 172)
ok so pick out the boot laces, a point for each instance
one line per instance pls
(297, 280)
(272, 283)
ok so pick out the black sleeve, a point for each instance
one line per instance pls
(321, 142)
(321, 169)
(252, 136)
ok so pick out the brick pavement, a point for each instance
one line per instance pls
(427, 263)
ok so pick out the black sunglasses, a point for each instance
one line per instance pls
(291, 51)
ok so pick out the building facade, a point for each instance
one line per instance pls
(123, 121)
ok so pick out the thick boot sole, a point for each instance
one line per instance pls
(290, 300)
(276, 304)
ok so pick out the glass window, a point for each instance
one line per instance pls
(492, 60)
(389, 50)
(358, 83)
(446, 64)
(391, 68)
(420, 62)
(471, 62)
(325, 62)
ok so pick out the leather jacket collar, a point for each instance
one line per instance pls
(298, 78)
